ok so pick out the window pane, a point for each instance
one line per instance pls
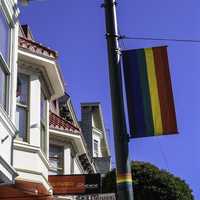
(21, 122)
(2, 88)
(96, 148)
(4, 37)
(43, 112)
(95, 145)
(43, 138)
(72, 164)
(22, 89)
(54, 163)
(43, 122)
(56, 157)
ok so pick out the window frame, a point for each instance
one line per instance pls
(6, 65)
(7, 60)
(26, 108)
(43, 124)
(58, 170)
(4, 89)
(96, 144)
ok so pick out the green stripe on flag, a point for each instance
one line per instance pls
(145, 92)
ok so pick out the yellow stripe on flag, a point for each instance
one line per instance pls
(155, 103)
(124, 178)
(124, 181)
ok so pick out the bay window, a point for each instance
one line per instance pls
(22, 108)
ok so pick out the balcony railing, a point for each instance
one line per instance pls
(58, 122)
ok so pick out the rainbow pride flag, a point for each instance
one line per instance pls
(149, 94)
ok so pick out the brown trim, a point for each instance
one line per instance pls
(25, 190)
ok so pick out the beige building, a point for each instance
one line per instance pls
(93, 128)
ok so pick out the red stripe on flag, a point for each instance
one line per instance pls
(165, 90)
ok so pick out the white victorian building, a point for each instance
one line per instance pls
(39, 131)
(8, 67)
(38, 82)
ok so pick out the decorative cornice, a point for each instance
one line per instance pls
(37, 48)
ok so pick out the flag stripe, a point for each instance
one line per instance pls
(134, 96)
(155, 103)
(165, 90)
(149, 126)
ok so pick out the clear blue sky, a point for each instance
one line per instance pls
(76, 30)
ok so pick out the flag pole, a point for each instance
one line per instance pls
(121, 138)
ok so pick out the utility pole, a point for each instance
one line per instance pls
(124, 177)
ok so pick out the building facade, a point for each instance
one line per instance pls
(67, 147)
(39, 132)
(38, 82)
(94, 132)
(8, 67)
(68, 154)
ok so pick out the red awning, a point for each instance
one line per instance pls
(24, 190)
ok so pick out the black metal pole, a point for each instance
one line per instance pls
(124, 178)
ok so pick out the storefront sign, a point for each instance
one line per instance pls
(110, 196)
(75, 184)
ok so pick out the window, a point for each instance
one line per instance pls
(22, 95)
(72, 160)
(96, 148)
(55, 104)
(5, 33)
(4, 37)
(2, 88)
(43, 122)
(56, 158)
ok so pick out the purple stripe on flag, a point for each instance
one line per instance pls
(133, 92)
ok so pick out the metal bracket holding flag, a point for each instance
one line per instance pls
(103, 5)
(150, 102)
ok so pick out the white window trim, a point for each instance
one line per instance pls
(10, 10)
(58, 170)
(11, 36)
(8, 66)
(27, 107)
(44, 124)
(96, 151)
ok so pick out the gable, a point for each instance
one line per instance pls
(66, 109)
